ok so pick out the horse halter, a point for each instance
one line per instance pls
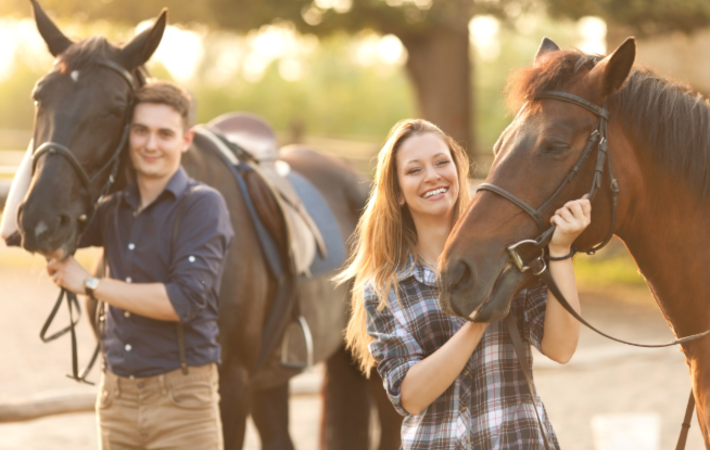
(53, 148)
(598, 140)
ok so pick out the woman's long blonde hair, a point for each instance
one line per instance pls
(385, 234)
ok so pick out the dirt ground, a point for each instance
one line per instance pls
(602, 378)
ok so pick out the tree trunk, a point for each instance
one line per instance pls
(440, 70)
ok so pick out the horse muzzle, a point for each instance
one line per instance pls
(478, 296)
(52, 235)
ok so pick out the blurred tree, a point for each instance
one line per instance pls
(639, 17)
(435, 34)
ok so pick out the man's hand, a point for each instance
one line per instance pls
(68, 274)
(571, 220)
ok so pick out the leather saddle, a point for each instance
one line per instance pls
(257, 139)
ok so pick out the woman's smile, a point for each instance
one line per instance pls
(435, 194)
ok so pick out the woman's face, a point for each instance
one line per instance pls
(427, 176)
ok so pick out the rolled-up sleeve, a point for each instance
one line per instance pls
(535, 304)
(204, 235)
(394, 349)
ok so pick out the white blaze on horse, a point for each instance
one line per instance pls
(83, 107)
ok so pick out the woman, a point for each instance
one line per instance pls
(458, 383)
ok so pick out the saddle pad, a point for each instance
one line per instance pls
(325, 220)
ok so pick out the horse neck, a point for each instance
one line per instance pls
(666, 231)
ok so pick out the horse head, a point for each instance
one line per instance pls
(540, 162)
(83, 108)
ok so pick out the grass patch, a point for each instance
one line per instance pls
(619, 269)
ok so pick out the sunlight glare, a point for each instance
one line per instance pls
(391, 51)
(592, 30)
(224, 67)
(371, 49)
(290, 69)
(8, 37)
(484, 36)
(339, 6)
(180, 51)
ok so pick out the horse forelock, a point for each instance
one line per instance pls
(86, 53)
(549, 73)
(667, 119)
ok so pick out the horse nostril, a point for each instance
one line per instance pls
(64, 221)
(462, 276)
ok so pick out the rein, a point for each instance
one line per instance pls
(538, 264)
(55, 148)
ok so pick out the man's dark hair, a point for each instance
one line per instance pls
(167, 93)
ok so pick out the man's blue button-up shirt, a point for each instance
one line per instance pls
(138, 250)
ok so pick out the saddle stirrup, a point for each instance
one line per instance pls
(308, 338)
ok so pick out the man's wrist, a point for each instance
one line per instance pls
(90, 285)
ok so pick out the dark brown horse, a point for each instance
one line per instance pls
(82, 106)
(659, 148)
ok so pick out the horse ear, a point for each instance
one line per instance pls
(546, 46)
(141, 48)
(610, 74)
(53, 37)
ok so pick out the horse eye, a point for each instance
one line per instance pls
(113, 113)
(556, 148)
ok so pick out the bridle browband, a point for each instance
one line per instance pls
(598, 139)
(55, 148)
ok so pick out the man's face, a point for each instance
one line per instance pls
(157, 140)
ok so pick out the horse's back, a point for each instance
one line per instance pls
(343, 187)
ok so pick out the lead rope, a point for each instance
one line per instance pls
(685, 427)
(518, 345)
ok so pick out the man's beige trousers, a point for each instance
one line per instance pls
(168, 411)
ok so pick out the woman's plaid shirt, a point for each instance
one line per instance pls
(487, 407)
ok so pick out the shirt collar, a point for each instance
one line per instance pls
(176, 186)
(421, 272)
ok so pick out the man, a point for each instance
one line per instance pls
(147, 399)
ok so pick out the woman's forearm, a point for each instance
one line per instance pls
(561, 333)
(430, 377)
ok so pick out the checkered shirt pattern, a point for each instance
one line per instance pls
(487, 407)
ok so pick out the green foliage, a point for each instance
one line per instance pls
(598, 273)
(644, 17)
(335, 96)
(16, 107)
(392, 16)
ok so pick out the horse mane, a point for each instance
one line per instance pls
(86, 53)
(666, 117)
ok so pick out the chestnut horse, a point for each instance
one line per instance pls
(659, 149)
(83, 104)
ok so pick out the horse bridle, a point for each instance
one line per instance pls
(52, 148)
(598, 139)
